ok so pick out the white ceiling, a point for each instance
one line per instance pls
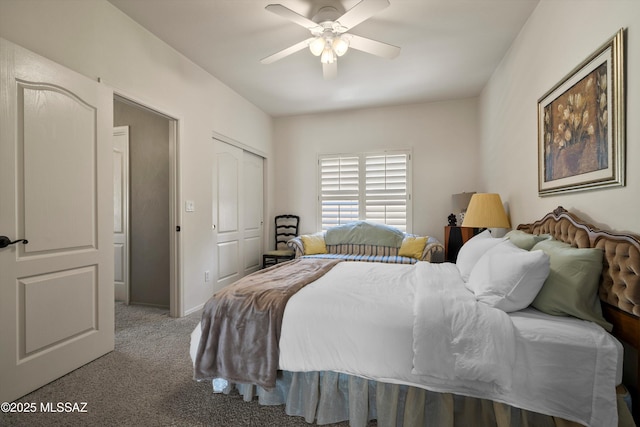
(449, 49)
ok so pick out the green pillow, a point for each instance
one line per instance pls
(571, 289)
(525, 240)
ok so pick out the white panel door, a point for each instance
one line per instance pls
(121, 213)
(238, 181)
(227, 212)
(252, 210)
(56, 292)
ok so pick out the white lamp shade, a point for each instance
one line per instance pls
(340, 46)
(328, 56)
(317, 46)
(485, 210)
(461, 201)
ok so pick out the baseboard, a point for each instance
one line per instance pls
(194, 309)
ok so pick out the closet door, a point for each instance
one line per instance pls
(237, 222)
(252, 211)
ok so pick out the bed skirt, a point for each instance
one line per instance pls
(329, 397)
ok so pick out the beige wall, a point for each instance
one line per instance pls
(95, 39)
(485, 144)
(443, 137)
(558, 36)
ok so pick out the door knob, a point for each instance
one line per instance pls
(5, 241)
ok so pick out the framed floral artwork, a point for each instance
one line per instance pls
(581, 125)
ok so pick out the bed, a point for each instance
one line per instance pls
(363, 341)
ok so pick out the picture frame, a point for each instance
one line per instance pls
(581, 125)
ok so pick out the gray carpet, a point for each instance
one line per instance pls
(147, 381)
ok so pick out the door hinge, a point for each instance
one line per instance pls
(178, 228)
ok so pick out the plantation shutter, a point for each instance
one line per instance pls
(339, 195)
(371, 186)
(386, 190)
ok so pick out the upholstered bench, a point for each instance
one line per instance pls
(370, 242)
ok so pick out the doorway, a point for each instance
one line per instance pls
(151, 232)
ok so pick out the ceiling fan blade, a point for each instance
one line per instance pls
(373, 47)
(361, 12)
(292, 16)
(330, 71)
(286, 52)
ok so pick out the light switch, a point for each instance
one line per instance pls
(190, 206)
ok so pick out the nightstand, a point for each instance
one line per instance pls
(454, 238)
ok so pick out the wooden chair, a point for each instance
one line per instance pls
(285, 230)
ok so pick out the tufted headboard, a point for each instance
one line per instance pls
(620, 282)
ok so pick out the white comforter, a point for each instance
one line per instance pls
(418, 325)
(454, 336)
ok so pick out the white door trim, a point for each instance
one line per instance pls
(238, 144)
(121, 287)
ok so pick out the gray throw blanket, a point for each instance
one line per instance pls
(364, 233)
(241, 323)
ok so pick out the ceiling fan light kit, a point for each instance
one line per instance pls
(328, 56)
(328, 29)
(316, 46)
(340, 45)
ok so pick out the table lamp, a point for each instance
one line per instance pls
(460, 203)
(485, 210)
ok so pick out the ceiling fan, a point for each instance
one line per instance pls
(330, 39)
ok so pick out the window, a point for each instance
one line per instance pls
(369, 186)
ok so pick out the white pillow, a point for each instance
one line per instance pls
(472, 250)
(509, 278)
